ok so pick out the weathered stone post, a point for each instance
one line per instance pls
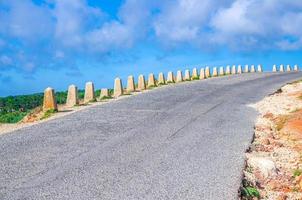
(233, 69)
(187, 75)
(228, 70)
(72, 96)
(296, 68)
(141, 83)
(252, 68)
(246, 69)
(170, 78)
(239, 69)
(259, 68)
(130, 84)
(202, 74)
(207, 72)
(274, 68)
(89, 93)
(194, 74)
(49, 102)
(281, 69)
(104, 93)
(161, 79)
(118, 88)
(151, 80)
(221, 71)
(215, 72)
(288, 69)
(179, 77)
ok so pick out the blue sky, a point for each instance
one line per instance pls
(61, 42)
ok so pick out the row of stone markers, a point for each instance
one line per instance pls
(73, 100)
(288, 68)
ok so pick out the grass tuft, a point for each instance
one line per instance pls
(49, 113)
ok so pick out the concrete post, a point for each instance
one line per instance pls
(170, 78)
(72, 96)
(246, 69)
(202, 74)
(233, 69)
(274, 68)
(104, 93)
(215, 73)
(118, 88)
(253, 68)
(259, 68)
(221, 71)
(207, 72)
(130, 84)
(281, 69)
(89, 92)
(151, 80)
(179, 77)
(161, 79)
(296, 68)
(187, 75)
(194, 74)
(288, 69)
(49, 101)
(228, 70)
(239, 69)
(141, 82)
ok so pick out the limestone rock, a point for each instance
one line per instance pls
(72, 96)
(187, 75)
(296, 68)
(104, 93)
(118, 88)
(288, 69)
(259, 68)
(202, 74)
(221, 71)
(89, 92)
(246, 69)
(274, 68)
(265, 166)
(194, 74)
(207, 72)
(253, 68)
(130, 84)
(239, 69)
(281, 69)
(228, 70)
(233, 69)
(215, 73)
(141, 83)
(49, 102)
(170, 78)
(161, 79)
(151, 80)
(179, 77)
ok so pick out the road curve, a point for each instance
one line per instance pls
(184, 141)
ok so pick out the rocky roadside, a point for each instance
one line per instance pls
(274, 160)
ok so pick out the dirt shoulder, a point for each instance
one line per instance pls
(274, 161)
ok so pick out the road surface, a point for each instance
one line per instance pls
(184, 141)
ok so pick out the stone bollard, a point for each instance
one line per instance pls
(179, 77)
(296, 68)
(228, 70)
(72, 96)
(118, 88)
(161, 79)
(49, 101)
(252, 68)
(233, 69)
(89, 93)
(288, 69)
(202, 74)
(187, 75)
(259, 68)
(207, 72)
(151, 80)
(141, 85)
(130, 84)
(246, 69)
(274, 68)
(215, 73)
(221, 71)
(194, 74)
(239, 69)
(281, 69)
(104, 93)
(170, 78)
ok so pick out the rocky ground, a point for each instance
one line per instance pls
(274, 161)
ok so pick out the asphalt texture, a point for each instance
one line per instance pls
(182, 141)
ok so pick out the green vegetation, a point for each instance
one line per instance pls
(250, 192)
(106, 97)
(297, 172)
(195, 78)
(12, 117)
(48, 113)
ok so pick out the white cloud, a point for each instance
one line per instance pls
(5, 61)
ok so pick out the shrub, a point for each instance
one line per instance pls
(12, 117)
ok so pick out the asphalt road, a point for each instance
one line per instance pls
(184, 141)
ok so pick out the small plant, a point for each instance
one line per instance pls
(106, 97)
(297, 172)
(152, 86)
(12, 117)
(48, 113)
(280, 123)
(250, 192)
(160, 84)
(170, 82)
(195, 78)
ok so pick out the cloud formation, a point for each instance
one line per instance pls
(54, 33)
